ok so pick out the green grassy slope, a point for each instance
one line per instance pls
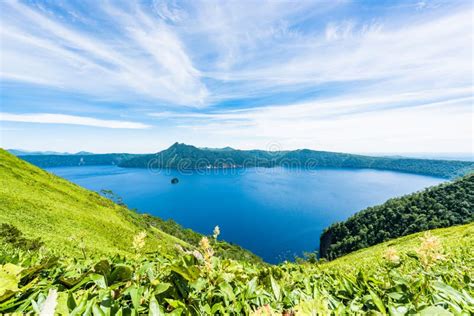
(453, 239)
(67, 217)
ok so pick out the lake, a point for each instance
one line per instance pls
(275, 212)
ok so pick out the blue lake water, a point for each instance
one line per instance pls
(275, 212)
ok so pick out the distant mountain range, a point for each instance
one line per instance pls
(183, 156)
(19, 152)
(79, 159)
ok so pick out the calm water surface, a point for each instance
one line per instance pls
(275, 212)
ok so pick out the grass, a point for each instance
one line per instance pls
(416, 274)
(452, 238)
(64, 215)
(366, 282)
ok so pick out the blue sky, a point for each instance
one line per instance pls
(124, 76)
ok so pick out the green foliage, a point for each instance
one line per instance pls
(444, 205)
(222, 249)
(153, 284)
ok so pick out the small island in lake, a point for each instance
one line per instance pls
(174, 181)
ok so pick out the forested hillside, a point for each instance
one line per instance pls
(440, 206)
(48, 161)
(182, 156)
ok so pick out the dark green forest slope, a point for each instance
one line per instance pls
(182, 156)
(48, 161)
(444, 205)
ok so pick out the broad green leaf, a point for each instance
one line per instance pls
(154, 308)
(161, 287)
(135, 294)
(227, 290)
(9, 280)
(435, 311)
(97, 311)
(276, 289)
(121, 272)
(99, 280)
(378, 302)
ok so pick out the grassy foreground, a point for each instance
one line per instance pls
(99, 258)
(425, 274)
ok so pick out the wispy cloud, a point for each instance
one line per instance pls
(47, 118)
(428, 120)
(143, 58)
(299, 72)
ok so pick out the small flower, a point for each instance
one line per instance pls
(391, 255)
(207, 252)
(217, 232)
(264, 310)
(430, 250)
(197, 255)
(139, 241)
(204, 243)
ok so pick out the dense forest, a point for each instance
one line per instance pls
(440, 206)
(48, 161)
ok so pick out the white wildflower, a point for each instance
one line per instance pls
(49, 305)
(217, 232)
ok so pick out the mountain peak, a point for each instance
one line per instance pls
(181, 146)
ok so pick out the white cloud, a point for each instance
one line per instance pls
(47, 118)
(425, 121)
(373, 79)
(380, 55)
(144, 58)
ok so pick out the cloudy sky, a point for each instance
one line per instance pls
(352, 76)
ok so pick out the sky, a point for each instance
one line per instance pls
(348, 76)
